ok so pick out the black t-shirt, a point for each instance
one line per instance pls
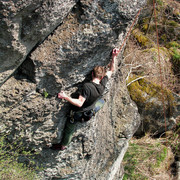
(91, 92)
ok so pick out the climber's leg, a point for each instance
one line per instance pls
(68, 132)
(70, 128)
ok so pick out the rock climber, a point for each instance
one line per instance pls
(88, 102)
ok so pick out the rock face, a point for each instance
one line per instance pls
(87, 33)
(24, 24)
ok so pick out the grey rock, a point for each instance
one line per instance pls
(24, 24)
(159, 109)
(28, 100)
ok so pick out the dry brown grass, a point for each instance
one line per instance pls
(148, 158)
(145, 62)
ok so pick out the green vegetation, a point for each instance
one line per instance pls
(163, 38)
(149, 158)
(9, 167)
(146, 94)
(145, 24)
(175, 55)
(46, 94)
(160, 2)
(146, 158)
(173, 44)
(172, 23)
(143, 40)
(174, 50)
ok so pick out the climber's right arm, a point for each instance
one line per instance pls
(113, 62)
(77, 102)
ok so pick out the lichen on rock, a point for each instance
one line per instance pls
(155, 104)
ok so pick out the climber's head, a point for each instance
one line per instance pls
(98, 72)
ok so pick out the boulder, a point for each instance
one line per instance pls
(158, 107)
(31, 111)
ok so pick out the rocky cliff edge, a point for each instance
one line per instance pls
(87, 33)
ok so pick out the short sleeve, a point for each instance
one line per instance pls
(104, 81)
(85, 91)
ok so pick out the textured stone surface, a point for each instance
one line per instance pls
(159, 110)
(61, 62)
(156, 122)
(24, 24)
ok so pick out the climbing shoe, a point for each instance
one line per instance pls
(58, 147)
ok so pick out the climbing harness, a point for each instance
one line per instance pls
(86, 115)
(81, 116)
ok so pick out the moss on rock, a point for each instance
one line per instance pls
(174, 51)
(145, 24)
(173, 23)
(143, 40)
(149, 96)
(173, 44)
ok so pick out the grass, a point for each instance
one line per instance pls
(176, 55)
(146, 159)
(10, 168)
(160, 2)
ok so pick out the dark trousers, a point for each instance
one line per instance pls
(71, 125)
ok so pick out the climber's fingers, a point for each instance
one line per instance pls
(115, 51)
(61, 95)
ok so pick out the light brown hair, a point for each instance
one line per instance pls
(99, 72)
